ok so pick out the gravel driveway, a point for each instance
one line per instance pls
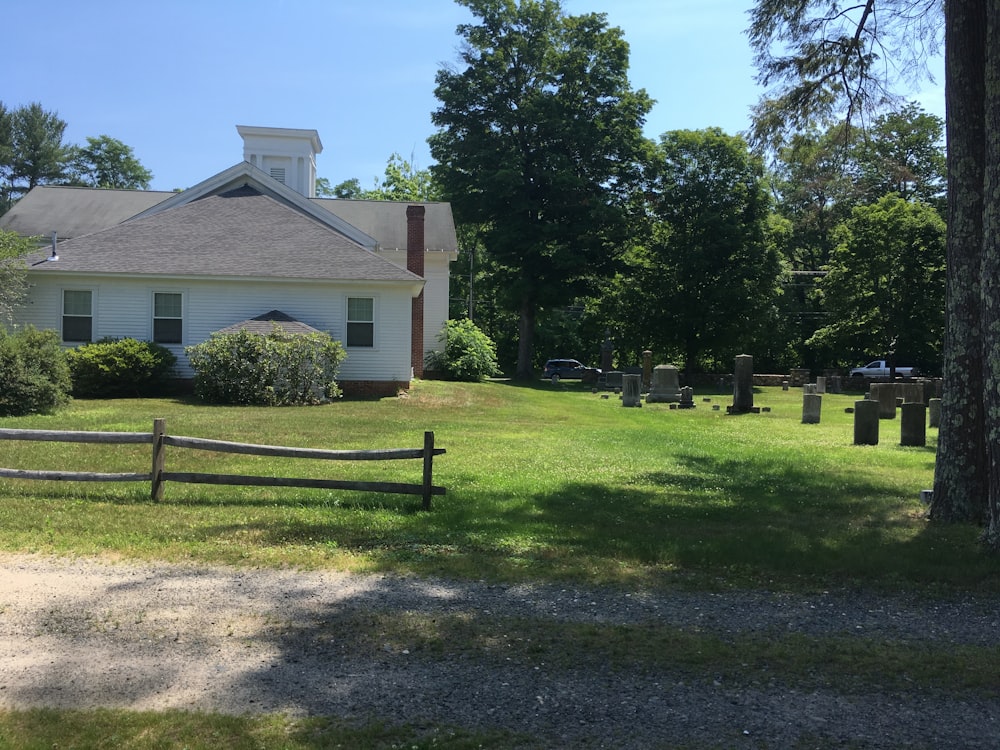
(82, 633)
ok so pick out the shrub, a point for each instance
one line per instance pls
(115, 368)
(275, 369)
(469, 354)
(34, 376)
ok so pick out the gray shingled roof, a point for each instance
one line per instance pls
(265, 323)
(75, 211)
(386, 221)
(241, 233)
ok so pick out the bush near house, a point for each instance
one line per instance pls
(469, 354)
(274, 369)
(34, 375)
(121, 368)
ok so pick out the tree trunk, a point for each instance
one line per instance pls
(991, 273)
(526, 340)
(960, 478)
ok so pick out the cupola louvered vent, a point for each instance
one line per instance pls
(278, 173)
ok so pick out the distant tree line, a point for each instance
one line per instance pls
(33, 152)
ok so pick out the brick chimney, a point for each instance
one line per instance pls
(415, 249)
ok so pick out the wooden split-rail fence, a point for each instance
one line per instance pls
(158, 476)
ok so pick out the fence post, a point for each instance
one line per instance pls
(159, 458)
(428, 467)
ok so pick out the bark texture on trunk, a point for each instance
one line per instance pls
(991, 272)
(526, 341)
(960, 478)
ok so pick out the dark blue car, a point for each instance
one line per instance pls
(569, 369)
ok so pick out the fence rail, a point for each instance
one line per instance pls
(160, 440)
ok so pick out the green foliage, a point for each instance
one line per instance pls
(34, 376)
(705, 281)
(276, 369)
(106, 162)
(116, 368)
(33, 153)
(402, 182)
(885, 287)
(539, 142)
(13, 272)
(468, 354)
(823, 61)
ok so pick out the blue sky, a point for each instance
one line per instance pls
(173, 79)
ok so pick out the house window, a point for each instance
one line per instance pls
(361, 322)
(168, 318)
(78, 315)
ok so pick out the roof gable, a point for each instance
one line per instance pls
(245, 174)
(241, 233)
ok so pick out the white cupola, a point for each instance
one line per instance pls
(287, 154)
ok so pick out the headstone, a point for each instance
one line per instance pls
(607, 352)
(613, 380)
(934, 412)
(809, 388)
(647, 369)
(866, 422)
(687, 398)
(913, 424)
(784, 385)
(835, 384)
(820, 384)
(885, 395)
(666, 387)
(812, 405)
(632, 390)
(742, 385)
(913, 393)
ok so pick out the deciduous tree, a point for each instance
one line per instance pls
(13, 282)
(885, 287)
(834, 67)
(106, 162)
(539, 137)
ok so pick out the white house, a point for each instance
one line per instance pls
(176, 267)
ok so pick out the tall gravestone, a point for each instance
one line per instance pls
(647, 369)
(866, 422)
(913, 424)
(742, 385)
(666, 387)
(632, 390)
(885, 394)
(934, 412)
(812, 407)
(607, 353)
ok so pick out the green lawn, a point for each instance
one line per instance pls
(543, 482)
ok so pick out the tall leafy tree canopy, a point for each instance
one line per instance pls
(539, 141)
(706, 274)
(32, 151)
(834, 59)
(106, 162)
(885, 287)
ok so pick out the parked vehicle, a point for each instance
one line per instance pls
(880, 369)
(568, 369)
